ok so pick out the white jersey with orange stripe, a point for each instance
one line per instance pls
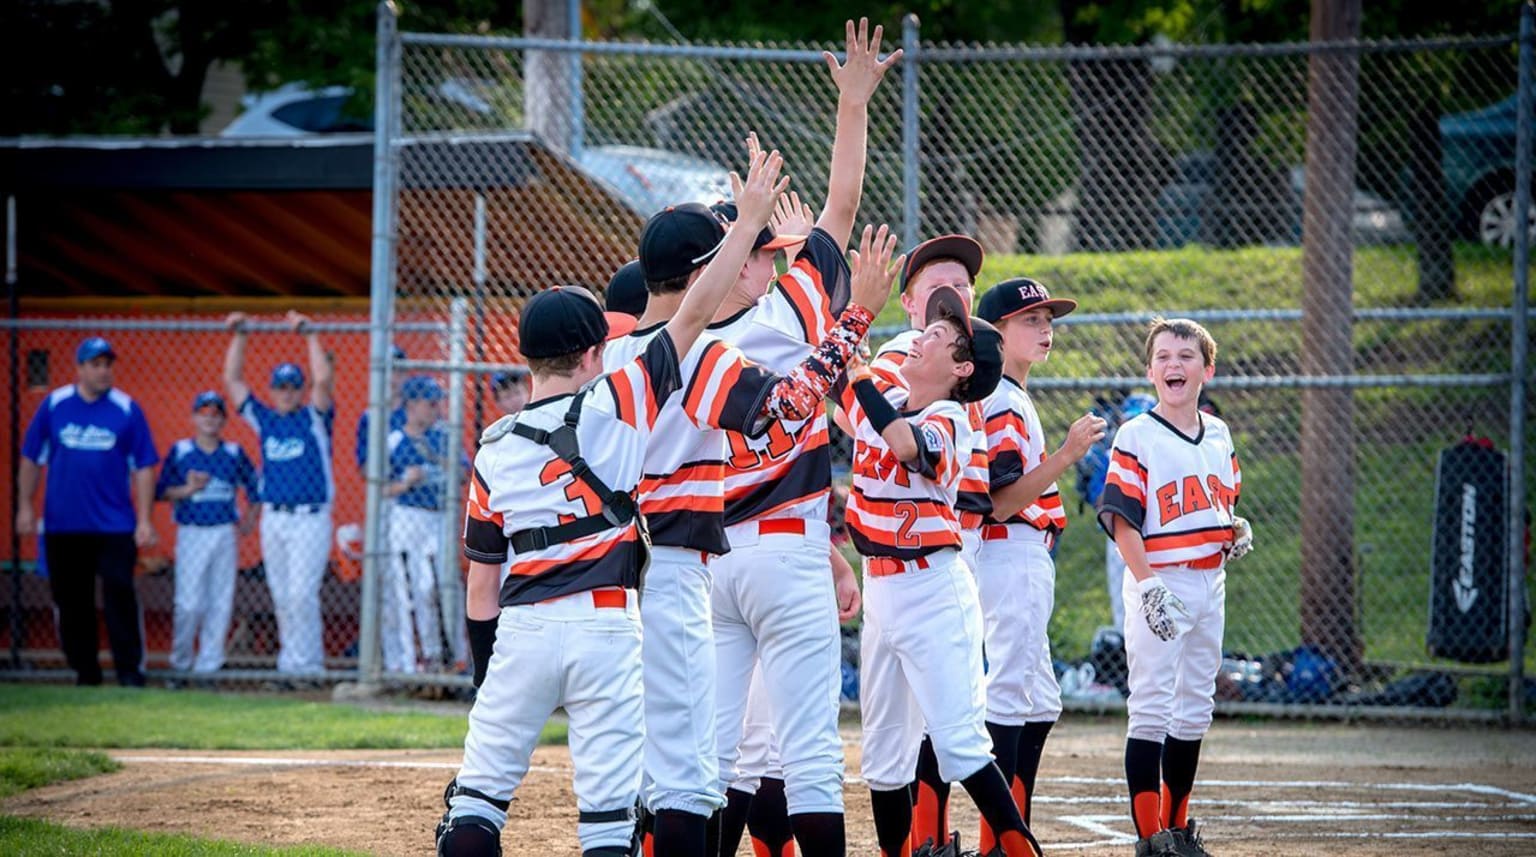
(907, 510)
(1015, 446)
(786, 472)
(1181, 492)
(682, 491)
(518, 484)
(973, 503)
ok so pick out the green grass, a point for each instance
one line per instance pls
(101, 717)
(24, 837)
(23, 768)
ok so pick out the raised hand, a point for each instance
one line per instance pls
(756, 194)
(873, 270)
(236, 321)
(791, 216)
(298, 321)
(860, 74)
(1085, 431)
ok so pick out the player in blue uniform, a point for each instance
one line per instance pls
(296, 488)
(412, 586)
(94, 441)
(396, 415)
(201, 476)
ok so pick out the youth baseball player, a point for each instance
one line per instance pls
(396, 415)
(100, 456)
(1014, 573)
(200, 477)
(296, 488)
(920, 654)
(551, 501)
(409, 612)
(773, 599)
(953, 261)
(1170, 503)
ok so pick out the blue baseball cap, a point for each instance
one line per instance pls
(421, 387)
(92, 348)
(287, 375)
(208, 399)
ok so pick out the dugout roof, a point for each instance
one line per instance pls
(224, 217)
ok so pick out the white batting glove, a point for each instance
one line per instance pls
(1242, 539)
(1166, 615)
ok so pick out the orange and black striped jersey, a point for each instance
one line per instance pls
(1181, 492)
(518, 484)
(787, 471)
(907, 510)
(973, 503)
(1015, 446)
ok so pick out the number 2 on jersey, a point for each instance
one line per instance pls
(907, 511)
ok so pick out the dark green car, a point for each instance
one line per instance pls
(1478, 157)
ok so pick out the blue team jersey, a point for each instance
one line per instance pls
(90, 450)
(429, 452)
(295, 452)
(396, 421)
(228, 469)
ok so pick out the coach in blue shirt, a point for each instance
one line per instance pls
(94, 441)
(296, 488)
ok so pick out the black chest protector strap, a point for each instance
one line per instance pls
(618, 506)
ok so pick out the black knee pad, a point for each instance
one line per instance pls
(468, 836)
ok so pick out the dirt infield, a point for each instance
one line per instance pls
(1264, 789)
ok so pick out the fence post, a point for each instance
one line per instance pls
(578, 98)
(910, 211)
(450, 597)
(381, 300)
(1519, 371)
(12, 287)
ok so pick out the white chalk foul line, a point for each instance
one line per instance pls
(278, 762)
(1476, 788)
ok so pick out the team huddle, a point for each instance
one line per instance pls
(671, 474)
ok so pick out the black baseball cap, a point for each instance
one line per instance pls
(678, 240)
(961, 248)
(765, 239)
(626, 291)
(986, 341)
(566, 319)
(1011, 297)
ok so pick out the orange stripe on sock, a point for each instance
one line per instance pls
(1147, 813)
(1174, 815)
(925, 814)
(1015, 845)
(985, 837)
(648, 844)
(788, 850)
(1021, 798)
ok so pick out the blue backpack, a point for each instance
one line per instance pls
(1093, 467)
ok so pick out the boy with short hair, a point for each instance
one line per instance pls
(1015, 573)
(921, 665)
(200, 477)
(1170, 503)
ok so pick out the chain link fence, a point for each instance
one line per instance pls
(1161, 180)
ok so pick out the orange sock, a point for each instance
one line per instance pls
(1175, 813)
(924, 815)
(1015, 844)
(763, 849)
(1147, 812)
(648, 844)
(1021, 798)
(985, 838)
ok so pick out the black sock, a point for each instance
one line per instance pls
(820, 834)
(1143, 761)
(1031, 746)
(733, 820)
(768, 817)
(893, 819)
(1005, 747)
(931, 816)
(990, 793)
(712, 835)
(679, 833)
(1180, 759)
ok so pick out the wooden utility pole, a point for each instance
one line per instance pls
(549, 92)
(1328, 612)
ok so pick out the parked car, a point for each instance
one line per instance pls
(1478, 159)
(1268, 217)
(646, 179)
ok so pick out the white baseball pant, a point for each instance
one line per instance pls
(1017, 583)
(920, 666)
(294, 549)
(678, 656)
(970, 549)
(408, 611)
(206, 557)
(774, 604)
(1114, 578)
(759, 752)
(571, 653)
(1173, 682)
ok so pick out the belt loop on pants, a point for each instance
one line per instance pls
(884, 566)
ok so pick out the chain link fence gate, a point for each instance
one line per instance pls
(1139, 181)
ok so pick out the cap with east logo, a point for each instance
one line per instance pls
(1011, 297)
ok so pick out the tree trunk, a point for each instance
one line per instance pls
(1121, 166)
(1249, 201)
(1427, 206)
(1327, 418)
(547, 85)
